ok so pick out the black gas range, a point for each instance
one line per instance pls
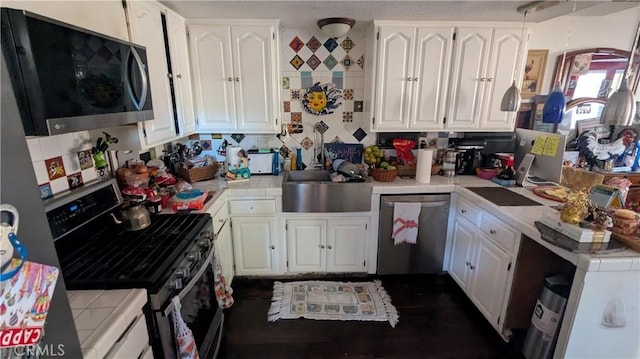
(172, 257)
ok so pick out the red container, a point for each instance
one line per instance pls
(486, 173)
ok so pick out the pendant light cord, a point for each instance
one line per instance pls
(524, 20)
(566, 44)
(633, 52)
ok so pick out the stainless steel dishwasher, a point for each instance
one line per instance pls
(427, 254)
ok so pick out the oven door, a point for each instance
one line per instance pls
(199, 310)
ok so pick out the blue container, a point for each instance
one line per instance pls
(275, 165)
(299, 159)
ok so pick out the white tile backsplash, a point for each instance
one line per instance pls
(71, 163)
(59, 185)
(40, 170)
(66, 146)
(34, 149)
(50, 147)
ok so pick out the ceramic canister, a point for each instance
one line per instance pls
(233, 160)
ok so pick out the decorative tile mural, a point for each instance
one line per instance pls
(338, 62)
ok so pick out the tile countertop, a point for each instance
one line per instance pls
(521, 218)
(102, 316)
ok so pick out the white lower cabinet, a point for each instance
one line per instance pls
(326, 245)
(254, 245)
(481, 264)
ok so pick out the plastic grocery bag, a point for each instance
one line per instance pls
(184, 337)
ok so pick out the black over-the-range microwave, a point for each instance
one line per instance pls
(68, 79)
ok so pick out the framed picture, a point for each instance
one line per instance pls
(533, 73)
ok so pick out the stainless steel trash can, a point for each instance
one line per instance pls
(542, 335)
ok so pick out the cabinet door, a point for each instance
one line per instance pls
(346, 245)
(252, 244)
(147, 30)
(212, 77)
(225, 246)
(471, 55)
(506, 55)
(461, 252)
(395, 53)
(434, 46)
(181, 74)
(254, 75)
(489, 278)
(306, 246)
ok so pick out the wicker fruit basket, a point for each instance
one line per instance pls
(382, 175)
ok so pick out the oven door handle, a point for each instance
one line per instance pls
(171, 306)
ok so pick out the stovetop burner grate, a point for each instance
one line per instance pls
(109, 257)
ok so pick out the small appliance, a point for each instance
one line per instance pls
(450, 163)
(86, 81)
(260, 163)
(470, 156)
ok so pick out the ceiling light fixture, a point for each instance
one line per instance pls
(620, 107)
(511, 98)
(335, 27)
(555, 104)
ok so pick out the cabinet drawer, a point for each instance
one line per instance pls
(133, 342)
(262, 206)
(467, 211)
(499, 232)
(219, 218)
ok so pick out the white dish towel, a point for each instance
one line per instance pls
(405, 222)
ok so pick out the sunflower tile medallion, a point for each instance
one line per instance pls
(297, 62)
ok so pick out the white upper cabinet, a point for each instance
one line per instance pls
(484, 67)
(412, 76)
(507, 62)
(439, 76)
(236, 76)
(105, 17)
(468, 77)
(181, 74)
(147, 30)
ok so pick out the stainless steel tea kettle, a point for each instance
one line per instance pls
(133, 217)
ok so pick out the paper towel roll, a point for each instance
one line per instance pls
(423, 167)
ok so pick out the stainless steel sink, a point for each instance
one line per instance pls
(313, 191)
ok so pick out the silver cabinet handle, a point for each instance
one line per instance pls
(329, 247)
(179, 76)
(140, 101)
(482, 79)
(472, 267)
(490, 79)
(237, 79)
(409, 79)
(229, 79)
(272, 246)
(467, 263)
(415, 79)
(492, 231)
(463, 211)
(322, 246)
(221, 220)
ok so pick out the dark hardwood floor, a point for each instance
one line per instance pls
(437, 320)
